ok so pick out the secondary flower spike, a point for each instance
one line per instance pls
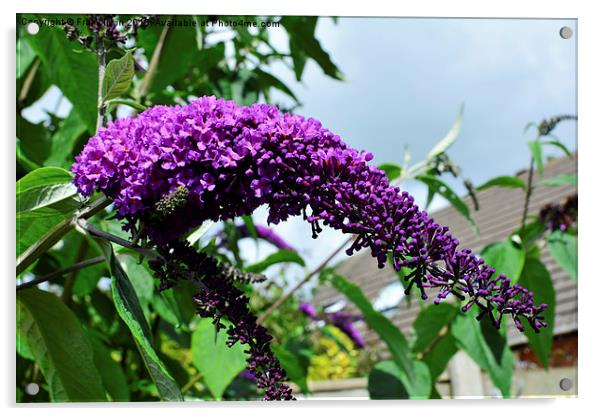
(262, 232)
(231, 159)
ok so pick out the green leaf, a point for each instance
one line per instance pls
(298, 56)
(281, 256)
(487, 347)
(301, 37)
(217, 363)
(199, 232)
(537, 154)
(178, 53)
(503, 181)
(142, 282)
(71, 68)
(559, 180)
(25, 55)
(327, 331)
(560, 146)
(388, 332)
(211, 56)
(387, 382)
(443, 189)
(38, 83)
(537, 279)
(33, 226)
(530, 232)
(118, 77)
(130, 103)
(44, 187)
(449, 138)
(295, 371)
(22, 348)
(250, 225)
(392, 170)
(563, 248)
(55, 338)
(429, 323)
(270, 80)
(174, 305)
(111, 373)
(87, 279)
(438, 357)
(129, 309)
(63, 142)
(507, 257)
(33, 141)
(23, 161)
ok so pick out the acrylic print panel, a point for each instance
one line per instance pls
(247, 208)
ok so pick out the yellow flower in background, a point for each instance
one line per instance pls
(336, 358)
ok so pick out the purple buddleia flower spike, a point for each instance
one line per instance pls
(271, 236)
(308, 309)
(219, 297)
(233, 159)
(559, 216)
(265, 233)
(344, 321)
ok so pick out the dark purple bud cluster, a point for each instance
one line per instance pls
(219, 297)
(234, 159)
(547, 126)
(103, 31)
(559, 216)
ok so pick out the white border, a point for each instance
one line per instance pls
(590, 119)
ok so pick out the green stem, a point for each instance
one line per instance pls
(154, 63)
(306, 279)
(96, 232)
(528, 192)
(77, 266)
(102, 107)
(192, 382)
(27, 83)
(53, 236)
(442, 333)
(129, 103)
(67, 295)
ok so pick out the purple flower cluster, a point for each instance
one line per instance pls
(308, 309)
(219, 297)
(342, 320)
(265, 233)
(559, 216)
(103, 31)
(233, 159)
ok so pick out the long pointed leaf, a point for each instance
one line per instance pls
(389, 333)
(449, 138)
(118, 77)
(487, 347)
(503, 181)
(129, 309)
(55, 338)
(537, 279)
(443, 189)
(563, 248)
